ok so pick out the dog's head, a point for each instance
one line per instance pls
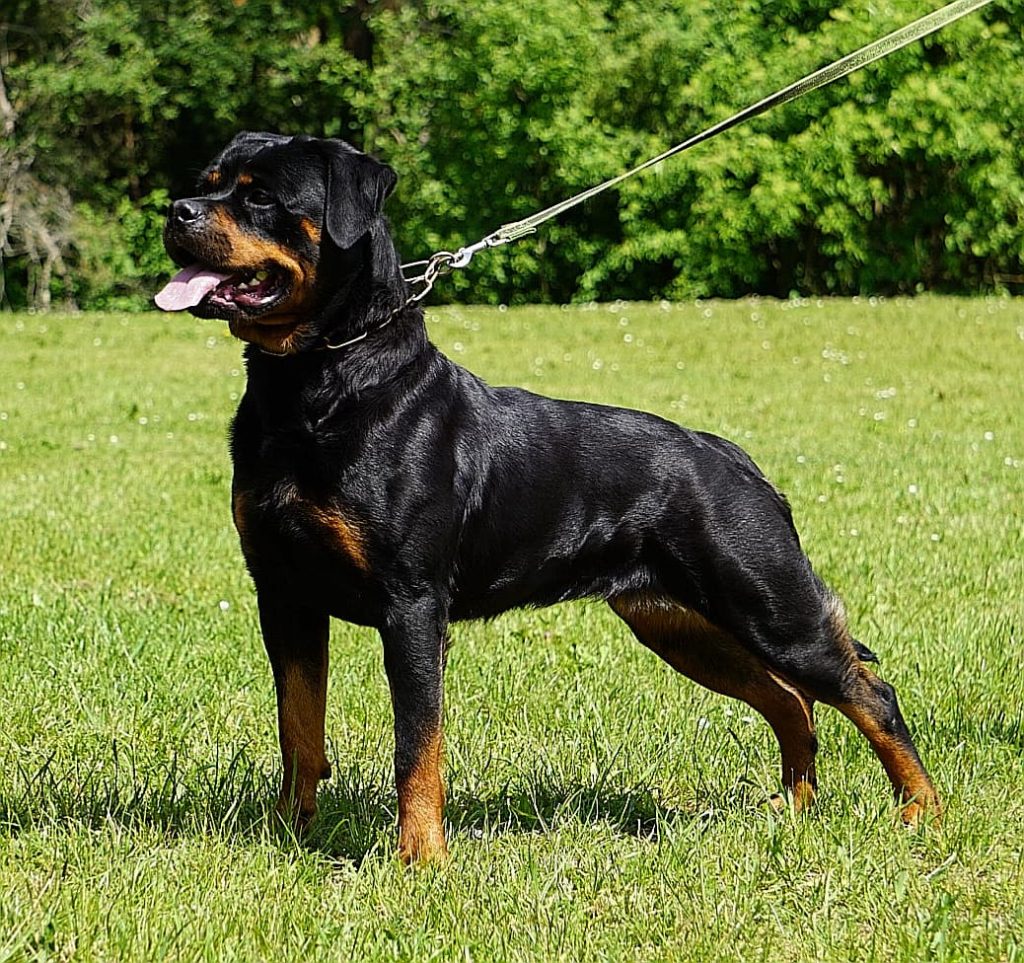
(271, 214)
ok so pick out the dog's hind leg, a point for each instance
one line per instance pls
(870, 703)
(713, 658)
(826, 663)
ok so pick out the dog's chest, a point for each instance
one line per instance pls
(295, 529)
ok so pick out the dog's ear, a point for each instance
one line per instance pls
(357, 186)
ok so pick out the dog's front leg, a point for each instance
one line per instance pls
(296, 641)
(414, 657)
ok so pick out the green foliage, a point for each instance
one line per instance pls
(901, 178)
(119, 256)
(906, 176)
(125, 99)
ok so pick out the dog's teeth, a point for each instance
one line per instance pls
(260, 276)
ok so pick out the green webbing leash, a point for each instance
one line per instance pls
(444, 262)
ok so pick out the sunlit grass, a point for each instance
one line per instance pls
(600, 806)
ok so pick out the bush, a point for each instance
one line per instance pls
(120, 257)
(907, 175)
(899, 178)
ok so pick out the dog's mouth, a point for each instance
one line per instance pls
(249, 291)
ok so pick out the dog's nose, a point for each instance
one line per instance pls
(187, 211)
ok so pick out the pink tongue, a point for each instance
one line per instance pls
(188, 287)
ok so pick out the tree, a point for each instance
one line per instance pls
(35, 218)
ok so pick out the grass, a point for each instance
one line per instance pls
(601, 807)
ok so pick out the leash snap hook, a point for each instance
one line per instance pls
(464, 255)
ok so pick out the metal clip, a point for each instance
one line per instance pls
(444, 262)
(464, 255)
(437, 266)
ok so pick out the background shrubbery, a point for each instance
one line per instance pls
(910, 175)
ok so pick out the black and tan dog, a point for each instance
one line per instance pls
(382, 484)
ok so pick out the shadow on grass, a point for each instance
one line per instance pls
(539, 808)
(225, 795)
(349, 826)
(234, 800)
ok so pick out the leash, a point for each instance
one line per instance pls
(444, 262)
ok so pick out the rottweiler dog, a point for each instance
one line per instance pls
(378, 482)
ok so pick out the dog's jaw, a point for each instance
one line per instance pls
(281, 335)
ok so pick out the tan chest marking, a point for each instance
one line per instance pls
(240, 502)
(342, 532)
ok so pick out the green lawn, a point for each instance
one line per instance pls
(601, 807)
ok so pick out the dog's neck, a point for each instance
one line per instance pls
(371, 302)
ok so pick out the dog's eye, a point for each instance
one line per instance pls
(258, 197)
